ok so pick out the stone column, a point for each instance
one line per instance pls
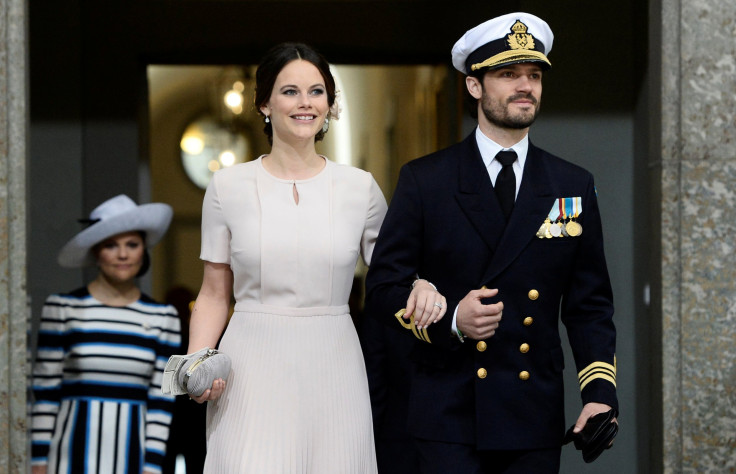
(696, 64)
(13, 298)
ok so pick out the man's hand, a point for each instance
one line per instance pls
(477, 320)
(589, 410)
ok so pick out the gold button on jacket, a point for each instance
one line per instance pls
(524, 375)
(528, 321)
(481, 346)
(482, 373)
(533, 294)
(524, 348)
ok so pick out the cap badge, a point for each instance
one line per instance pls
(519, 38)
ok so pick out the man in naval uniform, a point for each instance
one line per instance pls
(511, 236)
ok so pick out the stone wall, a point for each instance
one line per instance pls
(13, 301)
(698, 233)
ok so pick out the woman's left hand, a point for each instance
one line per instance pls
(211, 394)
(427, 304)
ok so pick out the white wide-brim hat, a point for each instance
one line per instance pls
(116, 216)
(508, 39)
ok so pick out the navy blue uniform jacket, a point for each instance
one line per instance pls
(445, 224)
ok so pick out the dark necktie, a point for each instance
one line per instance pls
(505, 187)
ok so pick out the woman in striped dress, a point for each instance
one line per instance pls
(101, 352)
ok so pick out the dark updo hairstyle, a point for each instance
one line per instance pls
(272, 64)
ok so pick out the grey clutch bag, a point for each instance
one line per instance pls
(194, 373)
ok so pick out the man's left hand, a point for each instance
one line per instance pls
(589, 410)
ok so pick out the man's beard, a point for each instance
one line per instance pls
(499, 116)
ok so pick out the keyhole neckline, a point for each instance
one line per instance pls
(294, 181)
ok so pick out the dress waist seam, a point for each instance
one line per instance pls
(252, 307)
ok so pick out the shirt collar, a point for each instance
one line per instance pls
(489, 149)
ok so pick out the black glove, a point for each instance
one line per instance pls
(596, 435)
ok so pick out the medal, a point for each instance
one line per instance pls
(563, 217)
(573, 229)
(563, 230)
(543, 229)
(561, 221)
(574, 207)
(554, 217)
(555, 229)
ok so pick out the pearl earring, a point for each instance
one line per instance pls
(326, 125)
(267, 120)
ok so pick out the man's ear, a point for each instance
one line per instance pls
(475, 88)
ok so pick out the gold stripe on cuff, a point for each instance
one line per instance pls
(597, 370)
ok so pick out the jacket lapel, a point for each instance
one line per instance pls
(533, 203)
(475, 194)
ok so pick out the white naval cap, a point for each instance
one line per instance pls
(508, 39)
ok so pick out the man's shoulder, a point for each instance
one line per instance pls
(443, 158)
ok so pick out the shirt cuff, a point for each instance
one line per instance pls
(455, 331)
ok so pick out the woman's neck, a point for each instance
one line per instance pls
(290, 162)
(114, 293)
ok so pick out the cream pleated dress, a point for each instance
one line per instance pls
(297, 398)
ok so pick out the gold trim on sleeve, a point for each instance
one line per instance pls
(597, 370)
(420, 334)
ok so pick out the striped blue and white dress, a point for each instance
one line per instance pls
(97, 383)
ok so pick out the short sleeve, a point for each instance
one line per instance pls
(374, 218)
(215, 232)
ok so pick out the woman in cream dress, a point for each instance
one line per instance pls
(283, 234)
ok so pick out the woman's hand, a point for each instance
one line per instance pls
(426, 303)
(211, 394)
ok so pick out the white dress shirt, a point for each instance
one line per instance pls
(488, 151)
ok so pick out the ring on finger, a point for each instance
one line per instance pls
(439, 305)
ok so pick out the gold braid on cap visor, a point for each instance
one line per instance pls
(511, 56)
